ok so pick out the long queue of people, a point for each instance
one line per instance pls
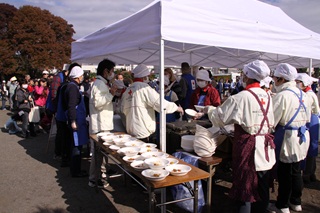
(276, 131)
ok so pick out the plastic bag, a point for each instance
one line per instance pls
(180, 191)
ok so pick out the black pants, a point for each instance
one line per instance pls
(62, 147)
(290, 184)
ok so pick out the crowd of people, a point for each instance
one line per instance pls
(275, 115)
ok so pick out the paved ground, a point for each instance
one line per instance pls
(32, 181)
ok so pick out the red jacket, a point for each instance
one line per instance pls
(212, 97)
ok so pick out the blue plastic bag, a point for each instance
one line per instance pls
(180, 191)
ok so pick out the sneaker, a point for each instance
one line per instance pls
(100, 184)
(11, 132)
(103, 175)
(273, 209)
(296, 208)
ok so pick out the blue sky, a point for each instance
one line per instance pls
(88, 16)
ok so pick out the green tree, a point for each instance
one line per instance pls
(39, 40)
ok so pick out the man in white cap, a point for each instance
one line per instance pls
(253, 153)
(76, 113)
(304, 82)
(45, 74)
(139, 103)
(292, 111)
(205, 94)
(12, 86)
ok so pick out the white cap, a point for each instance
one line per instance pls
(3, 81)
(257, 70)
(119, 84)
(286, 71)
(76, 72)
(54, 71)
(306, 79)
(203, 75)
(45, 72)
(166, 80)
(141, 71)
(266, 82)
(13, 78)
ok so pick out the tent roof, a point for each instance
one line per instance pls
(215, 33)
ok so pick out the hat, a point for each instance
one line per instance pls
(76, 72)
(119, 84)
(3, 81)
(306, 79)
(266, 82)
(203, 75)
(141, 71)
(13, 78)
(257, 70)
(166, 80)
(45, 72)
(286, 71)
(54, 71)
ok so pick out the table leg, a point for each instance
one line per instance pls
(196, 198)
(151, 199)
(211, 170)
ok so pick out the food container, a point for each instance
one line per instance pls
(187, 142)
(156, 163)
(178, 169)
(155, 175)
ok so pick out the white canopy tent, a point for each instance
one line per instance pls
(213, 33)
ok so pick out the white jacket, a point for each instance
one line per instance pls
(285, 104)
(100, 106)
(243, 109)
(138, 104)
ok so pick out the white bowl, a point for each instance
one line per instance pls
(101, 134)
(132, 158)
(146, 155)
(178, 169)
(123, 136)
(139, 165)
(108, 138)
(155, 175)
(119, 142)
(199, 108)
(191, 112)
(187, 142)
(149, 145)
(130, 151)
(172, 161)
(114, 147)
(156, 163)
(107, 143)
(145, 149)
(134, 143)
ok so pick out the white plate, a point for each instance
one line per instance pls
(107, 143)
(100, 134)
(129, 151)
(156, 163)
(133, 158)
(145, 149)
(155, 175)
(149, 145)
(191, 112)
(114, 147)
(152, 154)
(199, 108)
(134, 143)
(178, 169)
(172, 161)
(139, 165)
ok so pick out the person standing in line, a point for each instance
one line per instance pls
(12, 86)
(76, 114)
(188, 85)
(292, 111)
(101, 117)
(173, 84)
(139, 103)
(304, 82)
(4, 94)
(253, 152)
